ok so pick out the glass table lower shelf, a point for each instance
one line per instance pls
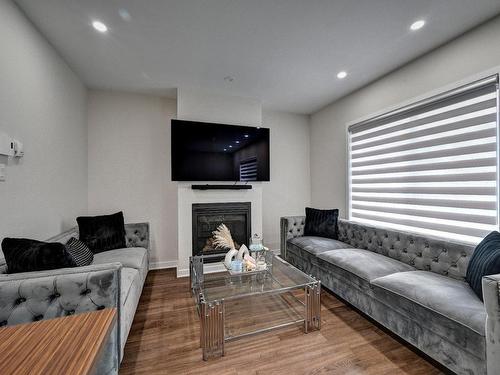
(236, 306)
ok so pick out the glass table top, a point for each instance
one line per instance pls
(280, 276)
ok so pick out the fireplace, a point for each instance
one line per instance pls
(208, 216)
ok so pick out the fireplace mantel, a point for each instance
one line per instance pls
(187, 197)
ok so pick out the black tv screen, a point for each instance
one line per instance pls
(217, 152)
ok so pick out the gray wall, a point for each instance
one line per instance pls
(43, 104)
(289, 191)
(129, 164)
(472, 56)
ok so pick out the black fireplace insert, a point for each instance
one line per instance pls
(208, 216)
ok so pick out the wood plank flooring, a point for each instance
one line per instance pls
(164, 339)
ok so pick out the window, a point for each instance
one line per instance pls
(431, 167)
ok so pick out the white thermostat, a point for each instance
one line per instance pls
(6, 145)
(18, 148)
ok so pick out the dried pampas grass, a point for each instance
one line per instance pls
(223, 238)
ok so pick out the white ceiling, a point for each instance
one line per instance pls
(284, 52)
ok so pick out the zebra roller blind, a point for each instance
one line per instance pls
(248, 170)
(430, 168)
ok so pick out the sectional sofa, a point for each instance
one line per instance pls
(411, 284)
(114, 279)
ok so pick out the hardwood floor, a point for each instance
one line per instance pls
(164, 339)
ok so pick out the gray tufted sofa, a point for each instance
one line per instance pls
(411, 284)
(114, 279)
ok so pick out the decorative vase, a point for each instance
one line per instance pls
(230, 255)
(242, 252)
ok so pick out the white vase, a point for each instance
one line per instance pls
(242, 252)
(230, 255)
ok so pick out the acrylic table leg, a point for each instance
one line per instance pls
(307, 301)
(312, 319)
(212, 329)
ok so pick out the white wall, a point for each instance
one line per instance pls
(43, 104)
(472, 56)
(209, 106)
(202, 105)
(289, 190)
(129, 165)
(129, 170)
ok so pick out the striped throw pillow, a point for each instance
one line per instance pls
(80, 252)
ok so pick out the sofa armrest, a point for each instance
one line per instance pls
(291, 227)
(491, 297)
(31, 296)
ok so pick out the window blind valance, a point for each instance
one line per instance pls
(431, 167)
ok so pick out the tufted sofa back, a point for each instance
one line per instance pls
(422, 252)
(136, 235)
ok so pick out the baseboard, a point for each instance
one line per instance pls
(182, 273)
(161, 265)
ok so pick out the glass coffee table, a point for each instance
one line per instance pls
(237, 305)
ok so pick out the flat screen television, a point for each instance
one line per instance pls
(204, 151)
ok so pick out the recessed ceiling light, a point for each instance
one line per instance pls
(99, 26)
(417, 25)
(230, 146)
(225, 149)
(237, 141)
(341, 75)
(246, 135)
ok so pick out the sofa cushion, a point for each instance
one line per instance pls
(132, 257)
(317, 245)
(130, 279)
(445, 306)
(451, 298)
(363, 263)
(129, 299)
(322, 223)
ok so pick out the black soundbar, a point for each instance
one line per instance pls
(221, 187)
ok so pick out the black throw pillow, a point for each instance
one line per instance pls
(321, 223)
(24, 255)
(80, 252)
(484, 261)
(102, 233)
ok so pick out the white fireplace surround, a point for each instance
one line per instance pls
(186, 198)
(199, 105)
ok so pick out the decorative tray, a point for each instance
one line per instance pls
(244, 272)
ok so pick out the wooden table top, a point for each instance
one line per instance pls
(67, 345)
